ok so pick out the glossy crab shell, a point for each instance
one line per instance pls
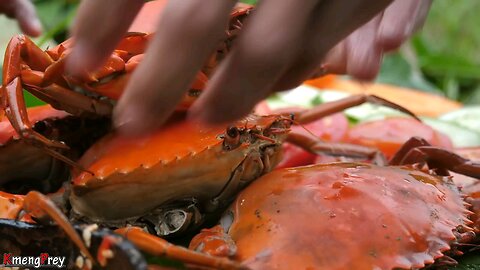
(183, 160)
(343, 216)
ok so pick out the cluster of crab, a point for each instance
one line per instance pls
(73, 187)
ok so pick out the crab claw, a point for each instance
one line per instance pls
(441, 158)
(418, 150)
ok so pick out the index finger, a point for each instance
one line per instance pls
(98, 28)
(188, 32)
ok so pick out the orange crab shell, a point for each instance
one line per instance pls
(182, 160)
(345, 216)
(35, 114)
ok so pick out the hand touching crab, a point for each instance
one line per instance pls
(283, 41)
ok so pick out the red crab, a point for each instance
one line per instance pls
(348, 215)
(167, 182)
(42, 74)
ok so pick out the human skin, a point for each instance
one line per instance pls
(282, 44)
(24, 12)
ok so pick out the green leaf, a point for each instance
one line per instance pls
(468, 262)
(397, 71)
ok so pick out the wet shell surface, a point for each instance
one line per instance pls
(346, 216)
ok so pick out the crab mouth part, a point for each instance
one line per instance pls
(168, 223)
(235, 136)
(173, 219)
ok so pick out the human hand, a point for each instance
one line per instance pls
(360, 54)
(281, 45)
(24, 12)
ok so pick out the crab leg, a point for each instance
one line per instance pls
(160, 247)
(20, 47)
(325, 109)
(417, 150)
(16, 112)
(316, 146)
(13, 102)
(38, 205)
(405, 155)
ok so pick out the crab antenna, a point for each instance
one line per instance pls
(65, 159)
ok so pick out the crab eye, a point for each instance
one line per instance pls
(232, 138)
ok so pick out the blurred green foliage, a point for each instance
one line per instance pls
(56, 17)
(443, 56)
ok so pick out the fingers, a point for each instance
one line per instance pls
(267, 45)
(98, 27)
(24, 12)
(359, 55)
(400, 20)
(328, 28)
(188, 32)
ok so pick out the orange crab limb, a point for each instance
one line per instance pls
(317, 146)
(159, 247)
(418, 150)
(329, 108)
(22, 49)
(39, 205)
(18, 116)
(16, 112)
(214, 242)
